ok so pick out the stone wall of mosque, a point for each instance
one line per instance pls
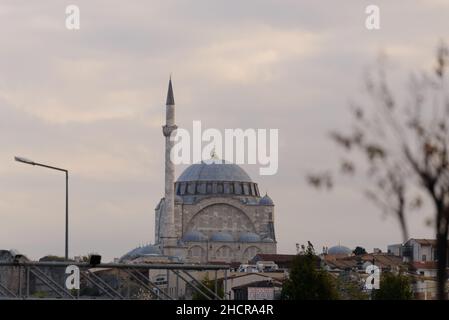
(203, 251)
(230, 215)
(227, 214)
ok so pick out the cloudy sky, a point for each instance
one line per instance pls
(92, 101)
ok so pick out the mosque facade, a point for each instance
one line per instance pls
(219, 214)
(213, 212)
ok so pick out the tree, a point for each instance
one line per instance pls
(404, 150)
(394, 287)
(359, 251)
(307, 281)
(86, 258)
(209, 283)
(53, 258)
(350, 286)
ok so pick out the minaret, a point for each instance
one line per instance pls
(169, 239)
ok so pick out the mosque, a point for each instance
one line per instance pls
(213, 212)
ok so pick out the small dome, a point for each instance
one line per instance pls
(149, 249)
(266, 201)
(249, 237)
(339, 250)
(142, 251)
(221, 237)
(194, 236)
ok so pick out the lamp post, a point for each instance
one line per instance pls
(30, 162)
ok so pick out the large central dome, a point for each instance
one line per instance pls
(216, 177)
(214, 171)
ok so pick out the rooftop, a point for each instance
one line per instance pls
(260, 284)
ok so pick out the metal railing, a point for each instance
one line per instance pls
(47, 280)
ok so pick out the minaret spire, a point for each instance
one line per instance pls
(169, 238)
(170, 97)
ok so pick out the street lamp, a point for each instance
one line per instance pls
(30, 162)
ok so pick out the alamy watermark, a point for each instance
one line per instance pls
(373, 279)
(73, 278)
(72, 19)
(249, 146)
(372, 21)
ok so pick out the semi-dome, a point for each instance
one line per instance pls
(221, 237)
(266, 201)
(216, 170)
(194, 236)
(142, 251)
(249, 237)
(339, 250)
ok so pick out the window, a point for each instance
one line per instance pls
(201, 188)
(182, 189)
(257, 190)
(238, 188)
(253, 190)
(245, 189)
(224, 253)
(196, 252)
(191, 188)
(424, 257)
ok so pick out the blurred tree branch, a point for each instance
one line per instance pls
(404, 149)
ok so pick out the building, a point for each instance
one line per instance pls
(219, 214)
(395, 249)
(416, 250)
(242, 279)
(258, 290)
(283, 261)
(385, 261)
(421, 256)
(212, 212)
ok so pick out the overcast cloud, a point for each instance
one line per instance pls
(93, 100)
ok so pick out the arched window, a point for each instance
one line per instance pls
(224, 253)
(251, 252)
(196, 252)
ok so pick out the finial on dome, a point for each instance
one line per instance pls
(213, 154)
